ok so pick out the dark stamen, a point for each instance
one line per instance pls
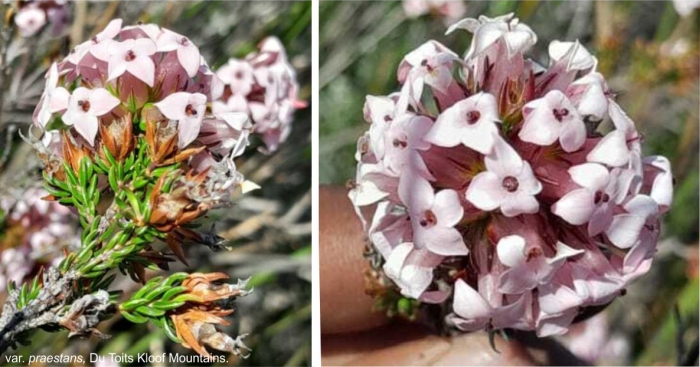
(510, 183)
(473, 117)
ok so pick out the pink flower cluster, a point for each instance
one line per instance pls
(264, 86)
(144, 74)
(35, 232)
(34, 15)
(516, 193)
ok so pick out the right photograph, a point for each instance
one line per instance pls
(509, 182)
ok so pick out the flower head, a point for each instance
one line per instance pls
(264, 86)
(503, 195)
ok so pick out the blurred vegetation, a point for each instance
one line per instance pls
(649, 55)
(269, 230)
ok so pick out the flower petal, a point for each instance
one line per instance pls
(447, 207)
(625, 229)
(485, 191)
(445, 241)
(468, 303)
(102, 102)
(511, 250)
(575, 207)
(611, 150)
(143, 69)
(592, 176)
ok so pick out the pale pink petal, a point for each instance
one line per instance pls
(173, 106)
(557, 299)
(144, 47)
(511, 250)
(143, 69)
(540, 127)
(611, 150)
(102, 102)
(625, 229)
(416, 192)
(600, 219)
(59, 99)
(592, 176)
(557, 325)
(189, 59)
(87, 126)
(395, 262)
(447, 208)
(468, 303)
(575, 207)
(517, 280)
(485, 191)
(504, 161)
(188, 129)
(445, 241)
(481, 137)
(116, 67)
(111, 30)
(520, 203)
(572, 134)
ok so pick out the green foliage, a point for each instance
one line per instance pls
(154, 299)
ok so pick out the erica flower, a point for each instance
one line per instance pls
(433, 216)
(30, 20)
(264, 86)
(84, 108)
(132, 56)
(188, 109)
(553, 118)
(470, 122)
(490, 188)
(508, 183)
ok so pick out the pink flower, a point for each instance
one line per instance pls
(577, 57)
(239, 75)
(430, 64)
(403, 142)
(516, 36)
(594, 202)
(188, 109)
(528, 266)
(133, 56)
(187, 52)
(99, 45)
(409, 269)
(55, 98)
(85, 106)
(508, 183)
(433, 216)
(30, 20)
(470, 122)
(264, 86)
(553, 118)
(621, 146)
(473, 312)
(554, 217)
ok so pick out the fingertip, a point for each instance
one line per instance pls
(344, 305)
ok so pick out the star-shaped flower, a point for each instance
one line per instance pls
(508, 183)
(133, 56)
(188, 109)
(85, 106)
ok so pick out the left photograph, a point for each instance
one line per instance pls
(155, 183)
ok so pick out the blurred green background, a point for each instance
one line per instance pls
(269, 230)
(649, 55)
